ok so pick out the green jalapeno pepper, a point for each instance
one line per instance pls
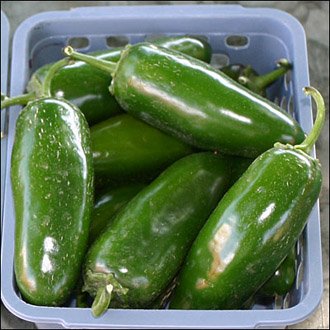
(107, 204)
(194, 102)
(253, 227)
(52, 182)
(126, 149)
(248, 77)
(140, 253)
(87, 87)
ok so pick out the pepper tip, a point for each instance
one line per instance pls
(284, 62)
(308, 90)
(68, 50)
(243, 80)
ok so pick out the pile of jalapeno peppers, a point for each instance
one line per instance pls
(162, 180)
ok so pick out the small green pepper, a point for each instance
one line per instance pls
(52, 182)
(282, 280)
(194, 102)
(234, 71)
(248, 77)
(137, 257)
(279, 284)
(87, 87)
(254, 226)
(126, 149)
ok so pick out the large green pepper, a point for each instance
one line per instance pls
(87, 87)
(248, 77)
(194, 102)
(52, 182)
(127, 149)
(140, 253)
(253, 227)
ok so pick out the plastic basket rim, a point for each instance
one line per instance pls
(203, 10)
(30, 312)
(307, 305)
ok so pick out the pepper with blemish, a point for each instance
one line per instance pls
(254, 226)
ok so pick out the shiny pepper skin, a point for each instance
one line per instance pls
(52, 182)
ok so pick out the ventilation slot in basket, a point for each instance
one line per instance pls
(237, 41)
(79, 42)
(117, 41)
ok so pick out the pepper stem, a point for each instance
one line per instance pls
(16, 100)
(45, 90)
(312, 137)
(269, 78)
(102, 300)
(46, 86)
(102, 286)
(103, 65)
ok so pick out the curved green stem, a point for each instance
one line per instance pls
(102, 300)
(269, 78)
(312, 137)
(103, 65)
(46, 86)
(45, 90)
(16, 100)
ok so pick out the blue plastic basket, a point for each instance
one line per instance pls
(270, 34)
